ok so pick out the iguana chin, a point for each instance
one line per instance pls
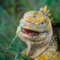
(35, 30)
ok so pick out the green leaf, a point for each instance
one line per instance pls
(16, 55)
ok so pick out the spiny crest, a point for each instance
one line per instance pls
(45, 12)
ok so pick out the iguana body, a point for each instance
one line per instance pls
(49, 54)
(36, 31)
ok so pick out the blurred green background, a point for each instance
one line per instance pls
(11, 11)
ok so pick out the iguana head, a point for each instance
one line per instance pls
(36, 31)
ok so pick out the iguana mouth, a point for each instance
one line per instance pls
(31, 32)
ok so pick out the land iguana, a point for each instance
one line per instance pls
(35, 29)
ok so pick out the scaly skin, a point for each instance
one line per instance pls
(36, 31)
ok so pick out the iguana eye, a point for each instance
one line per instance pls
(42, 24)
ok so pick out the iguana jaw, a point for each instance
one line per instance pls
(33, 35)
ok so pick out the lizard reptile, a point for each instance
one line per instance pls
(35, 29)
